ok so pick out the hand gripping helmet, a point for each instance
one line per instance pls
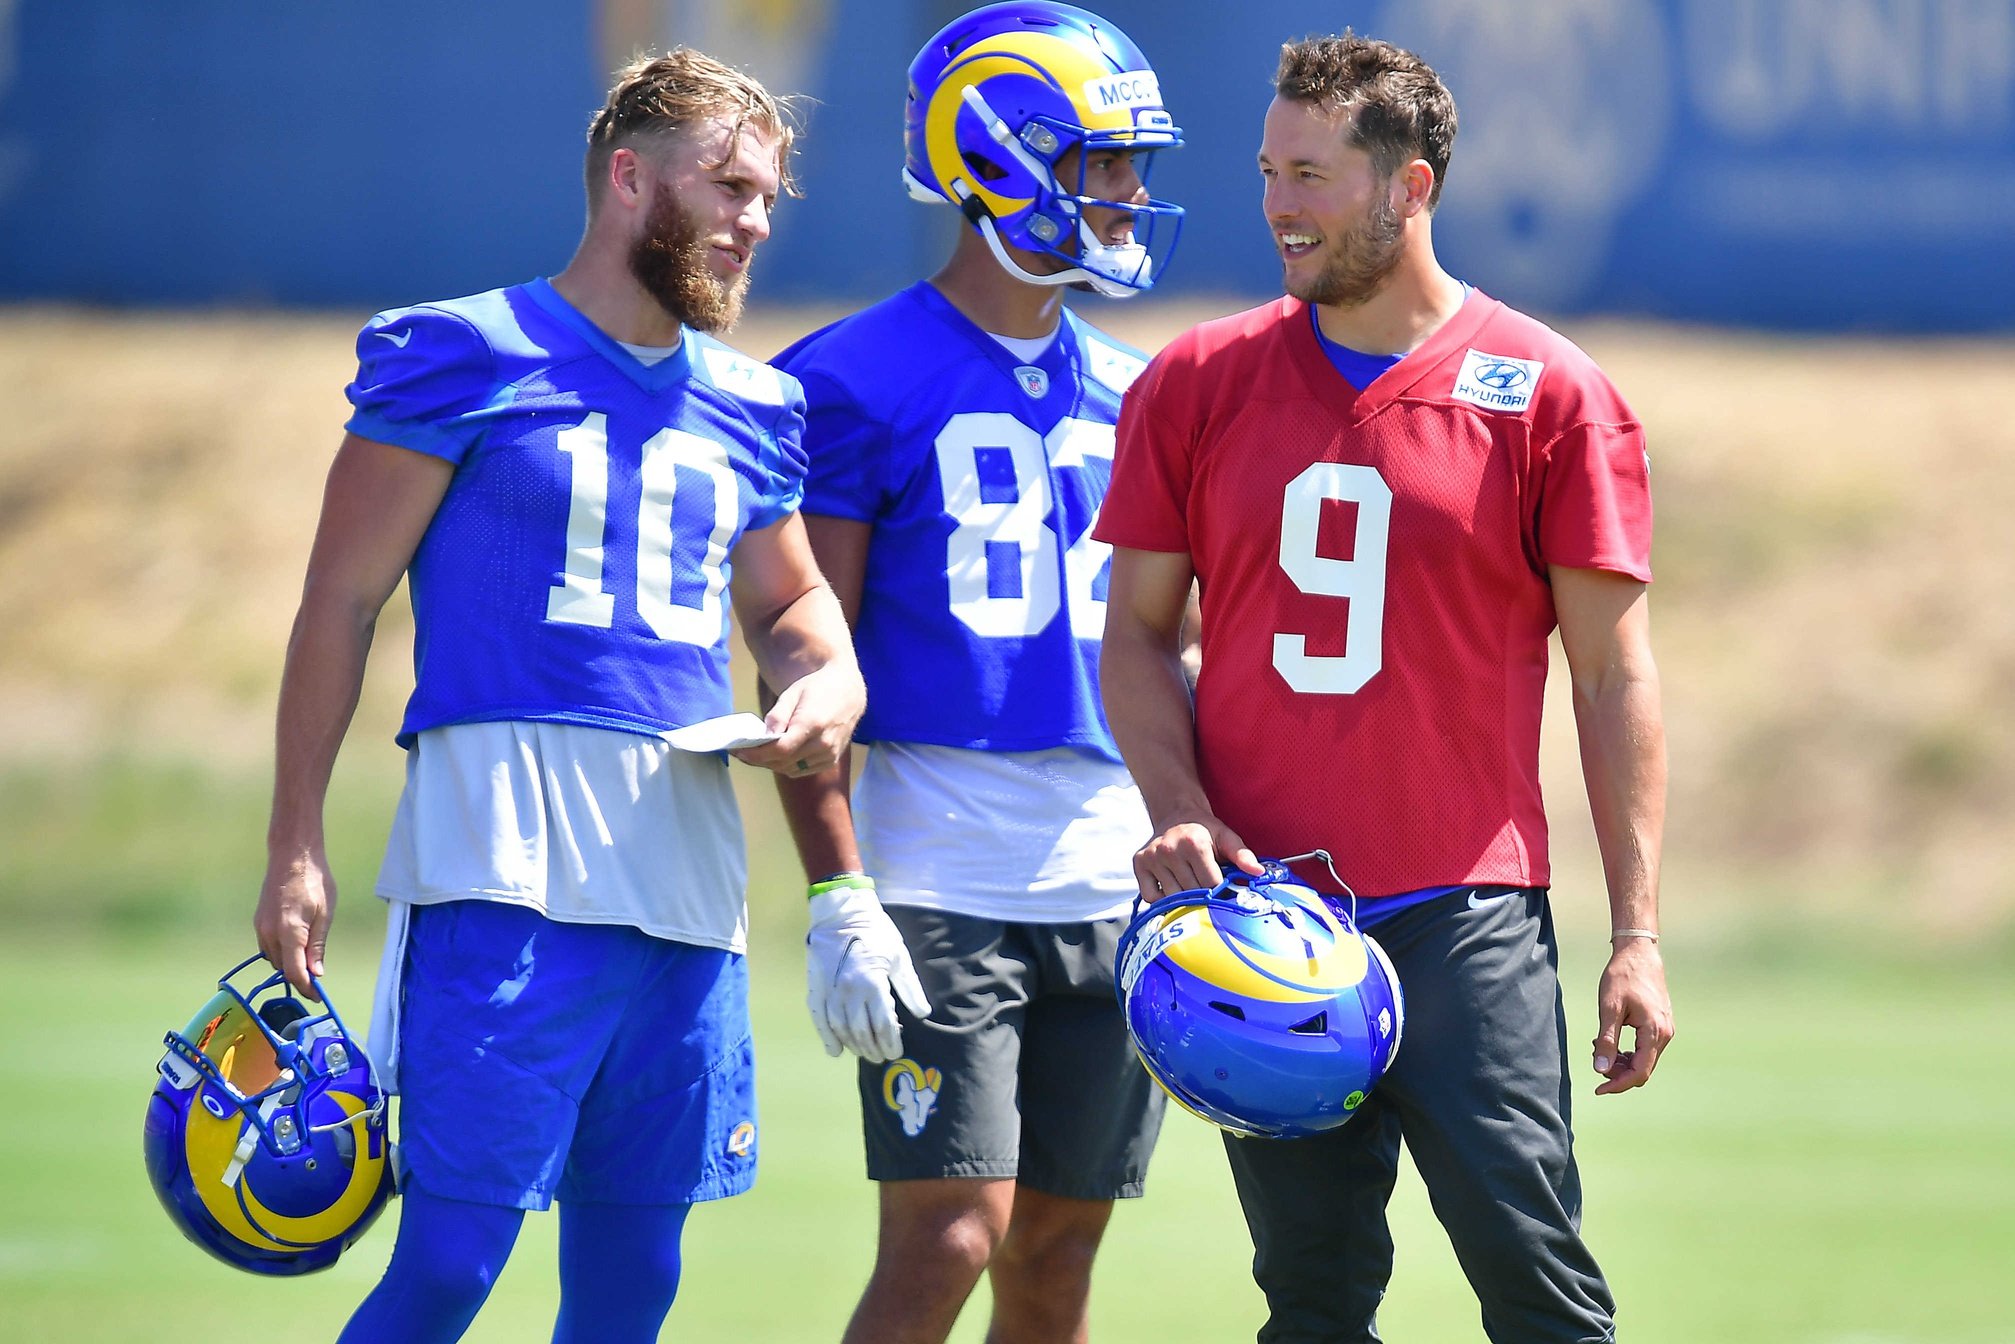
(266, 1135)
(1259, 1005)
(998, 98)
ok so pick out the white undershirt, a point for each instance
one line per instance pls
(648, 355)
(1038, 837)
(585, 825)
(1027, 349)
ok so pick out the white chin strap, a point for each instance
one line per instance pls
(1127, 258)
(1113, 258)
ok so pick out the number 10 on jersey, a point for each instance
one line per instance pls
(679, 579)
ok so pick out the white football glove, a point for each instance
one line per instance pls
(856, 967)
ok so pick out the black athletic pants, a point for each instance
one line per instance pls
(1480, 1095)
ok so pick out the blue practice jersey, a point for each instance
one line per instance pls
(576, 571)
(984, 597)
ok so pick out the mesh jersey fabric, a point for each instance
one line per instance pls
(577, 568)
(1374, 577)
(983, 600)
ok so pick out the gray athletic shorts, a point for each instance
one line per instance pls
(1023, 1070)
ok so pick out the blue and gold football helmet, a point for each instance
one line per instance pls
(1003, 95)
(266, 1136)
(1259, 1005)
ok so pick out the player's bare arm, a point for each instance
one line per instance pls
(856, 966)
(375, 508)
(816, 804)
(797, 634)
(1192, 638)
(1147, 702)
(1605, 626)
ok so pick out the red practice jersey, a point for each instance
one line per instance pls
(1373, 568)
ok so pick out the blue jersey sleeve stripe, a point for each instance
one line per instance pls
(775, 510)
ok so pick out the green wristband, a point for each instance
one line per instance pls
(840, 882)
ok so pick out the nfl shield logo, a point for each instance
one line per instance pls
(1033, 381)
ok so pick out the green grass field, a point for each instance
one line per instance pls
(1836, 687)
(1825, 1158)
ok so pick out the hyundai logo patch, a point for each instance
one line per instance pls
(1497, 382)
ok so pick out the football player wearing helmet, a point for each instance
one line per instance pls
(959, 436)
(576, 477)
(1392, 489)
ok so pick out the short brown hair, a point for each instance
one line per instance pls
(656, 97)
(1398, 107)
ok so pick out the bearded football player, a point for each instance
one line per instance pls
(577, 478)
(1392, 488)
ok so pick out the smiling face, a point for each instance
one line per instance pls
(1337, 224)
(713, 186)
(1109, 175)
(1105, 174)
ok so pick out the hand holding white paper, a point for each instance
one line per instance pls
(726, 733)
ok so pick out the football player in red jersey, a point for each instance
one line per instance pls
(1391, 489)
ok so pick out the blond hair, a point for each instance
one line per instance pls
(656, 97)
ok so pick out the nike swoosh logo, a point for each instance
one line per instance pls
(1477, 900)
(399, 339)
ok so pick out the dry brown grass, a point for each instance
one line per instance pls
(1835, 633)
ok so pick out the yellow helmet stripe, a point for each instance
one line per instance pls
(209, 1143)
(1268, 977)
(1062, 64)
(365, 1175)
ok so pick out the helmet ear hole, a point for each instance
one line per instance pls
(982, 168)
(283, 1015)
(1265, 1011)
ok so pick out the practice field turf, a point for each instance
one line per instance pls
(1825, 1159)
